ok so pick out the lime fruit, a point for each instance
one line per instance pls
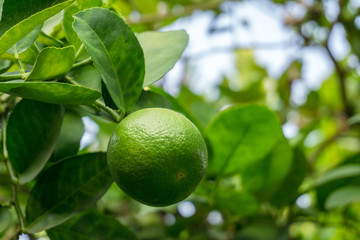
(157, 156)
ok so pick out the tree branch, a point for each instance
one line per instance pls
(186, 10)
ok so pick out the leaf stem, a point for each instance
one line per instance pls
(15, 202)
(82, 63)
(18, 60)
(13, 178)
(9, 77)
(114, 114)
(79, 52)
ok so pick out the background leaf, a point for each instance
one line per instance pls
(51, 92)
(241, 135)
(20, 17)
(117, 54)
(52, 62)
(343, 196)
(288, 191)
(36, 126)
(65, 189)
(72, 129)
(91, 225)
(263, 177)
(161, 50)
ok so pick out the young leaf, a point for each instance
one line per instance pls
(52, 62)
(343, 196)
(68, 19)
(91, 225)
(51, 92)
(65, 189)
(26, 42)
(116, 53)
(71, 132)
(17, 23)
(241, 135)
(161, 50)
(31, 134)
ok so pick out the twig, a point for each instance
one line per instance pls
(4, 78)
(82, 63)
(186, 10)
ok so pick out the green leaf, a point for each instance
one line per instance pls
(26, 42)
(150, 99)
(262, 177)
(31, 134)
(65, 189)
(343, 196)
(239, 203)
(161, 50)
(91, 225)
(68, 19)
(5, 219)
(20, 17)
(240, 136)
(1, 8)
(28, 56)
(51, 92)
(71, 132)
(288, 192)
(87, 76)
(116, 53)
(52, 62)
(345, 171)
(49, 41)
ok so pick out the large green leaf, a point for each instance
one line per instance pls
(51, 92)
(161, 50)
(288, 191)
(91, 225)
(65, 189)
(31, 134)
(116, 53)
(343, 196)
(26, 42)
(241, 135)
(20, 17)
(68, 19)
(149, 99)
(52, 62)
(263, 177)
(71, 132)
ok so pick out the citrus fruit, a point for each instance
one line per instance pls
(157, 156)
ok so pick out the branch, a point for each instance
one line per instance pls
(341, 76)
(185, 11)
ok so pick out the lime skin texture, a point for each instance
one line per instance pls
(157, 156)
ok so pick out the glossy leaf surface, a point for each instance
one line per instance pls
(161, 50)
(116, 53)
(65, 189)
(51, 92)
(91, 225)
(31, 134)
(241, 135)
(68, 19)
(20, 17)
(52, 62)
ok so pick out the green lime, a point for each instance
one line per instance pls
(157, 156)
